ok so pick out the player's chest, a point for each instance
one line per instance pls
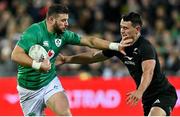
(52, 45)
(132, 58)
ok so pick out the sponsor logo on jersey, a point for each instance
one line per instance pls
(129, 58)
(51, 53)
(129, 63)
(58, 42)
(45, 43)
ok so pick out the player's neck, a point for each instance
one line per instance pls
(49, 27)
(137, 37)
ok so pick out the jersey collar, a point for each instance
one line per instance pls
(45, 27)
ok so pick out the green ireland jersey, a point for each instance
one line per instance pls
(38, 34)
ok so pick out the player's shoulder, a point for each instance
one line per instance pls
(67, 32)
(34, 28)
(145, 45)
(144, 42)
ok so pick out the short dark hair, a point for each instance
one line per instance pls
(133, 17)
(57, 9)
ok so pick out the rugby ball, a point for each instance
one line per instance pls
(38, 53)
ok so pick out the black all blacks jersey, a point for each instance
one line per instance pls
(140, 51)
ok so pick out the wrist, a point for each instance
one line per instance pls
(67, 59)
(141, 90)
(114, 46)
(36, 65)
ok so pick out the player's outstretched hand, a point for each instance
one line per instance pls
(125, 42)
(60, 60)
(133, 97)
(45, 65)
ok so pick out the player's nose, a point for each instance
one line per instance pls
(66, 24)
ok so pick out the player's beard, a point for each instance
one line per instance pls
(57, 29)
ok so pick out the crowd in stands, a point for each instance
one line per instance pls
(161, 26)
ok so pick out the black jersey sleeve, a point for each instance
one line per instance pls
(148, 51)
(109, 53)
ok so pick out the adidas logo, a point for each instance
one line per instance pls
(157, 101)
(170, 109)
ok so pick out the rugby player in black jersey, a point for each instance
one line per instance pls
(158, 95)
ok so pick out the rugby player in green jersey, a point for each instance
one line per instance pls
(38, 84)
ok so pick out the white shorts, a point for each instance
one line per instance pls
(33, 102)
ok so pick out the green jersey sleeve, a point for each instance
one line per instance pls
(72, 38)
(29, 38)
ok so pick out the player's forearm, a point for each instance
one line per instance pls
(22, 59)
(84, 58)
(94, 42)
(99, 43)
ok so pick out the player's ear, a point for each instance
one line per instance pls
(51, 19)
(138, 28)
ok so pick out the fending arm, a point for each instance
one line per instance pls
(83, 58)
(97, 43)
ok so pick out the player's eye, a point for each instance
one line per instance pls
(124, 28)
(64, 20)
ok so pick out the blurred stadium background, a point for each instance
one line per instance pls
(161, 20)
